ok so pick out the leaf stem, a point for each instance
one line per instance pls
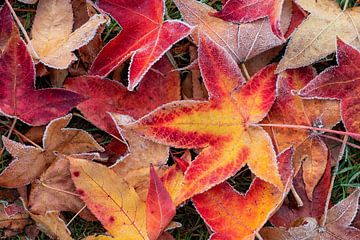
(296, 196)
(77, 214)
(339, 140)
(17, 20)
(342, 150)
(351, 134)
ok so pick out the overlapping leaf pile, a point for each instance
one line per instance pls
(214, 86)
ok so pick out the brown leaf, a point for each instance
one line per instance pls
(13, 224)
(337, 225)
(52, 37)
(134, 167)
(30, 163)
(52, 225)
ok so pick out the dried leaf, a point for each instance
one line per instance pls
(134, 167)
(316, 36)
(337, 225)
(30, 162)
(144, 37)
(52, 37)
(224, 126)
(52, 225)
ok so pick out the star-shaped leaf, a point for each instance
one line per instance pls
(234, 216)
(145, 37)
(29, 162)
(225, 126)
(316, 36)
(311, 152)
(340, 82)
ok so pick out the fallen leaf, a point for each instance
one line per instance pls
(29, 1)
(29, 162)
(290, 214)
(242, 41)
(160, 209)
(311, 151)
(52, 225)
(241, 11)
(337, 225)
(340, 82)
(225, 126)
(83, 11)
(134, 167)
(145, 37)
(52, 37)
(159, 86)
(7, 27)
(110, 199)
(233, 216)
(316, 36)
(17, 84)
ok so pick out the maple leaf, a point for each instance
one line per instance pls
(110, 199)
(53, 40)
(242, 11)
(134, 167)
(17, 82)
(311, 152)
(234, 216)
(340, 82)
(160, 208)
(159, 86)
(291, 214)
(316, 36)
(224, 126)
(241, 41)
(31, 163)
(337, 225)
(145, 37)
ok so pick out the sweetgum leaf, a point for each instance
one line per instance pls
(224, 126)
(144, 38)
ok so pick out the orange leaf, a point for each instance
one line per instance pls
(224, 126)
(233, 216)
(160, 209)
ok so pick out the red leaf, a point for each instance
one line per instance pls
(243, 11)
(159, 86)
(233, 216)
(144, 38)
(160, 209)
(18, 97)
(340, 82)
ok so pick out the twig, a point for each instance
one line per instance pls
(339, 140)
(11, 129)
(342, 150)
(259, 237)
(245, 71)
(58, 190)
(351, 134)
(73, 218)
(297, 197)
